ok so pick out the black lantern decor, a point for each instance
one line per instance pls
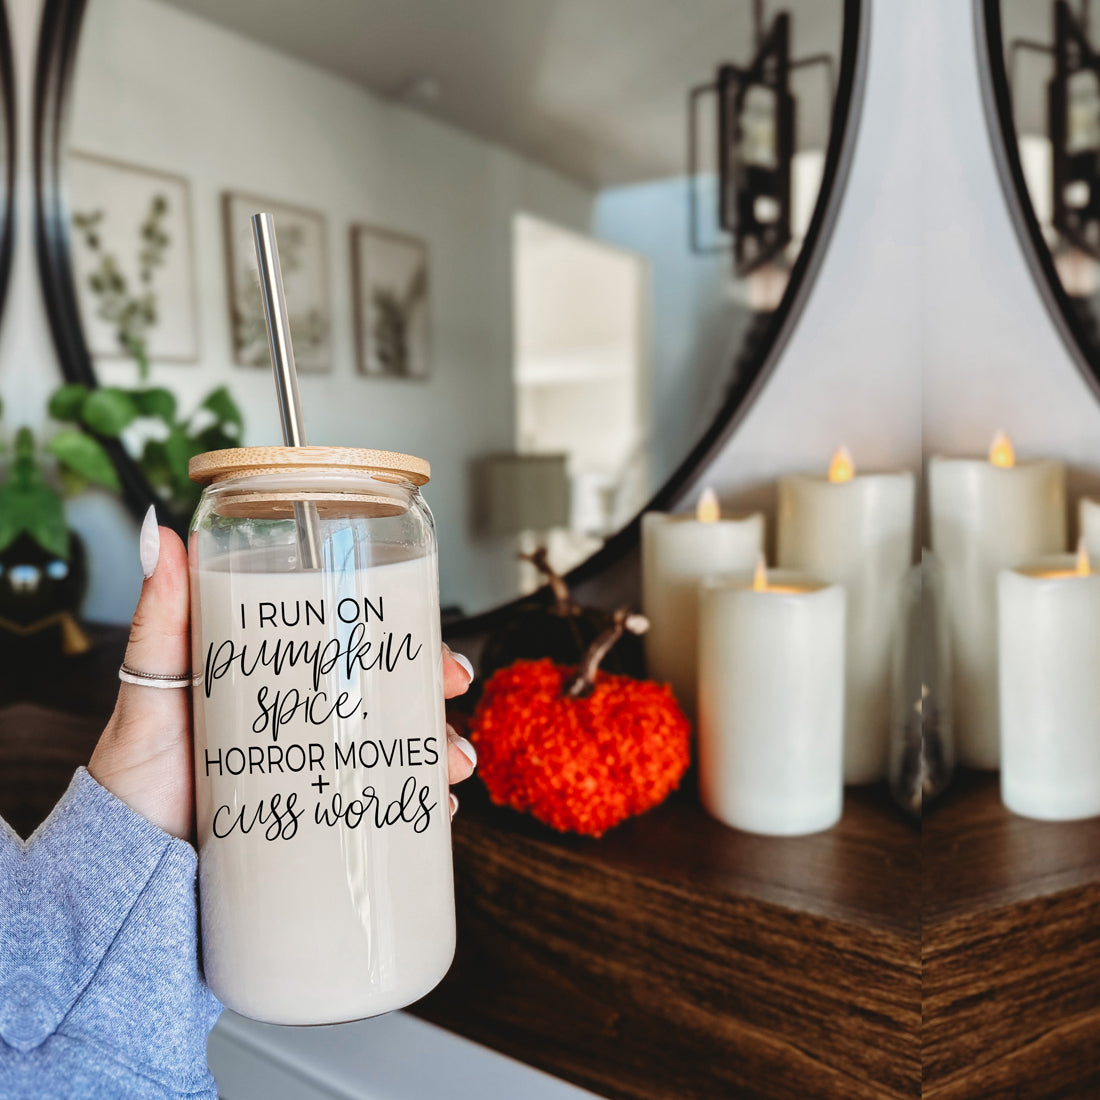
(755, 146)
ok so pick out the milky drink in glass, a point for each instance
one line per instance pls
(323, 824)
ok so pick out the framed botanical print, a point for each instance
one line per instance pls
(133, 261)
(390, 287)
(303, 256)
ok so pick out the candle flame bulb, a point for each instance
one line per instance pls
(760, 575)
(842, 468)
(1083, 569)
(1001, 452)
(707, 510)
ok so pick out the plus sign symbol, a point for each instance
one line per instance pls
(320, 783)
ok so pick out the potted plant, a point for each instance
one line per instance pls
(42, 567)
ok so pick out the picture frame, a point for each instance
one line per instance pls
(391, 295)
(131, 233)
(302, 235)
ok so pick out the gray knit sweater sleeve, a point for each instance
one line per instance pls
(101, 994)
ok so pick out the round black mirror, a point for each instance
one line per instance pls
(560, 281)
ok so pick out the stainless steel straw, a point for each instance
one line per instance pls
(286, 377)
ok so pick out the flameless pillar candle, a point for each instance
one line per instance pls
(1050, 691)
(858, 532)
(987, 516)
(1088, 526)
(677, 552)
(771, 702)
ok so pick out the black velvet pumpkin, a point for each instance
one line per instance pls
(551, 624)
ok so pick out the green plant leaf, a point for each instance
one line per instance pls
(48, 527)
(10, 527)
(24, 446)
(108, 410)
(154, 464)
(222, 405)
(72, 484)
(158, 402)
(23, 472)
(37, 510)
(67, 401)
(84, 456)
(179, 449)
(215, 438)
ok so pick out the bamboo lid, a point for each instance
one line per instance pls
(215, 466)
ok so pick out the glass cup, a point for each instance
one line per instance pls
(321, 789)
(922, 743)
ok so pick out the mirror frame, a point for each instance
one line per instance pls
(8, 137)
(993, 74)
(58, 44)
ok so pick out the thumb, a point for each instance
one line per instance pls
(144, 755)
(160, 631)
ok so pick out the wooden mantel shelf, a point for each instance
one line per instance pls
(1010, 951)
(677, 958)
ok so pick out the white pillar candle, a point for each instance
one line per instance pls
(987, 516)
(1050, 692)
(677, 552)
(858, 532)
(1088, 526)
(771, 703)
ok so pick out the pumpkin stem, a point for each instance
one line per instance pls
(564, 604)
(583, 681)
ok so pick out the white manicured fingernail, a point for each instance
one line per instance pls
(149, 542)
(465, 663)
(454, 806)
(467, 750)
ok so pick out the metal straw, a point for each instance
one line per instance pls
(286, 377)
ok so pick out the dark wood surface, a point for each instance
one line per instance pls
(40, 748)
(678, 958)
(51, 715)
(1010, 951)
